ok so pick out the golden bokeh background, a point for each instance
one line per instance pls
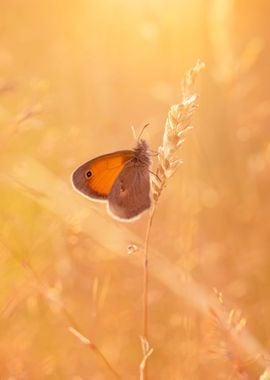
(74, 77)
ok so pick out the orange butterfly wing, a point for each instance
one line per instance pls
(96, 177)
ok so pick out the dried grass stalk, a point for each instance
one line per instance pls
(52, 297)
(223, 335)
(178, 123)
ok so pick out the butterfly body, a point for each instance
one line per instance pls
(121, 178)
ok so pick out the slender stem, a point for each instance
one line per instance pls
(146, 274)
(105, 361)
(146, 281)
(69, 317)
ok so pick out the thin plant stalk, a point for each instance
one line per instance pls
(74, 328)
(146, 273)
(146, 349)
(178, 123)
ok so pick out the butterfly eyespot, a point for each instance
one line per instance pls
(88, 174)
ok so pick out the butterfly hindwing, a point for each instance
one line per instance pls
(130, 193)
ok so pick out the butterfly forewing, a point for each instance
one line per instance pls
(96, 177)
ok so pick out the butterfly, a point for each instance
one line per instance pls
(120, 178)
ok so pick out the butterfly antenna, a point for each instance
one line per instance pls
(143, 128)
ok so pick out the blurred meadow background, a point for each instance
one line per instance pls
(74, 77)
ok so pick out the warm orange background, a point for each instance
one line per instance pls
(74, 77)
